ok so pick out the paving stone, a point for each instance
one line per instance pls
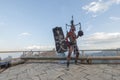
(50, 71)
(91, 77)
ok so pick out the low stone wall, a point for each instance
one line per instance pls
(16, 61)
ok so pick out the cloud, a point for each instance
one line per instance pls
(115, 1)
(89, 27)
(115, 18)
(36, 47)
(25, 34)
(104, 36)
(101, 40)
(33, 47)
(96, 7)
(99, 6)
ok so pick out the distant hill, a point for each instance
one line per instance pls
(104, 53)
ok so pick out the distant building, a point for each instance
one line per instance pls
(48, 54)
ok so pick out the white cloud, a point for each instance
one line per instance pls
(25, 34)
(100, 6)
(36, 47)
(101, 40)
(116, 1)
(115, 18)
(104, 36)
(96, 7)
(33, 47)
(89, 27)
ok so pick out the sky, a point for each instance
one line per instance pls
(28, 24)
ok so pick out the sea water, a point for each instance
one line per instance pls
(12, 55)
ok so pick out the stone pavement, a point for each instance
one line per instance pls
(57, 71)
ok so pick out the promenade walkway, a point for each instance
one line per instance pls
(55, 71)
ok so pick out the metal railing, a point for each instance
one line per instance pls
(82, 51)
(83, 55)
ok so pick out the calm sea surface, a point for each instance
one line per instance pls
(13, 55)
